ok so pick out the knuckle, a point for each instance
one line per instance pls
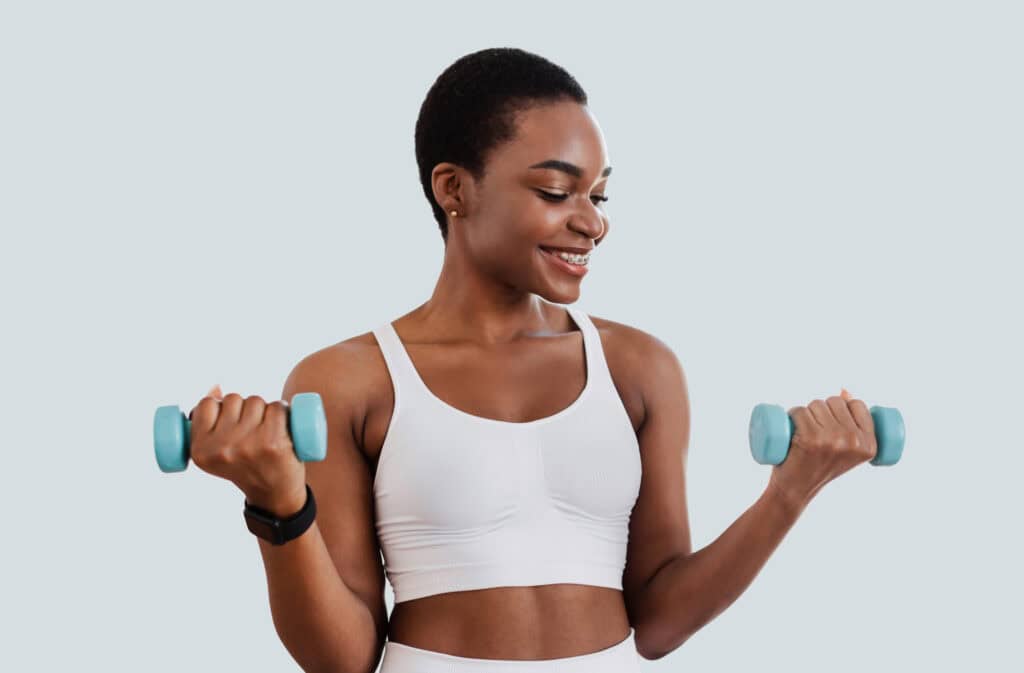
(211, 457)
(255, 400)
(847, 441)
(207, 403)
(242, 453)
(278, 445)
(233, 397)
(816, 441)
(274, 416)
(279, 442)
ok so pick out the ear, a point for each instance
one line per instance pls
(448, 183)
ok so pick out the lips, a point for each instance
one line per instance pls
(577, 251)
(572, 269)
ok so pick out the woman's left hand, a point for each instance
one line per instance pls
(830, 437)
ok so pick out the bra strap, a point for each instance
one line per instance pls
(596, 363)
(400, 367)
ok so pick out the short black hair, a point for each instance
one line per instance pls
(471, 109)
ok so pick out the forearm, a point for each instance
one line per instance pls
(321, 622)
(690, 591)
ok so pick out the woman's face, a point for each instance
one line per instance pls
(544, 188)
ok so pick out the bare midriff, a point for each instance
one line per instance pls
(538, 622)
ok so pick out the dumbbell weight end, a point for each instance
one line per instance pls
(172, 432)
(772, 428)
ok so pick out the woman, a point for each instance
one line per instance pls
(519, 464)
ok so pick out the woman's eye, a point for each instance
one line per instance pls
(550, 196)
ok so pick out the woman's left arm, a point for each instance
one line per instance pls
(672, 592)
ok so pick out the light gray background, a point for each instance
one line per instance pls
(806, 196)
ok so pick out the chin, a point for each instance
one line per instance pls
(559, 295)
(548, 287)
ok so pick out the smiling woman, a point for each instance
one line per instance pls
(498, 431)
(527, 172)
(473, 108)
(515, 168)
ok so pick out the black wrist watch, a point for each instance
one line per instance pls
(277, 530)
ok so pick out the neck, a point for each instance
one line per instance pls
(470, 305)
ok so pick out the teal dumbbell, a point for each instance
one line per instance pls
(771, 429)
(172, 432)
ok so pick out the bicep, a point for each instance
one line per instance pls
(343, 482)
(659, 527)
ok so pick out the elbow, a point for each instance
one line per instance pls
(653, 654)
(365, 662)
(651, 643)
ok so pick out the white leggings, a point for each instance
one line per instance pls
(620, 658)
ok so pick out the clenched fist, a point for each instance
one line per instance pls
(246, 441)
(830, 437)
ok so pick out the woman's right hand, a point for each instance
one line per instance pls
(247, 442)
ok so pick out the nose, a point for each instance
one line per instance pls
(589, 221)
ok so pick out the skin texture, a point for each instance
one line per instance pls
(542, 622)
(495, 314)
(493, 305)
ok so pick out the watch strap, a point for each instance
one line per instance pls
(278, 530)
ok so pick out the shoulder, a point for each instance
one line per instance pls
(347, 375)
(632, 343)
(644, 362)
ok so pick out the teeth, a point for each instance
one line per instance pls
(579, 260)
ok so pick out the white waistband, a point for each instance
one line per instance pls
(620, 658)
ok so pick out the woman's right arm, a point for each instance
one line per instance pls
(326, 587)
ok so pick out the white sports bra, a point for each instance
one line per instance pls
(465, 502)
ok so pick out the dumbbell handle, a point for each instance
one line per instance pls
(772, 428)
(307, 425)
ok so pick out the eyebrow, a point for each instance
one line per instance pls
(566, 167)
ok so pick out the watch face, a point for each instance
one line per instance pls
(268, 530)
